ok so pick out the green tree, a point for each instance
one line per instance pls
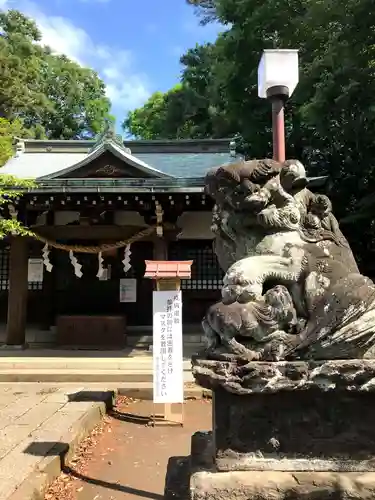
(165, 115)
(77, 107)
(46, 90)
(331, 116)
(41, 95)
(8, 132)
(11, 187)
(205, 9)
(144, 122)
(192, 109)
(21, 60)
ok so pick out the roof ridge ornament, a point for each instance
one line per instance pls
(108, 135)
(19, 146)
(238, 147)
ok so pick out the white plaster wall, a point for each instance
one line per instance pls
(195, 226)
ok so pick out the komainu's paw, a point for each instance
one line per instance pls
(273, 351)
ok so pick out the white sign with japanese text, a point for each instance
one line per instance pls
(168, 386)
(128, 290)
(35, 271)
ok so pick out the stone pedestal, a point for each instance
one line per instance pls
(290, 430)
(282, 486)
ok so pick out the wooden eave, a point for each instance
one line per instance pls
(136, 146)
(148, 185)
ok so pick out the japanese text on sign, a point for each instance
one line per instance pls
(35, 271)
(167, 347)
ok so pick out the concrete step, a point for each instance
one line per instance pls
(69, 375)
(136, 390)
(126, 365)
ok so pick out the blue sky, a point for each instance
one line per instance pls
(135, 45)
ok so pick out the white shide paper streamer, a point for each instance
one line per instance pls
(46, 261)
(126, 260)
(100, 266)
(76, 265)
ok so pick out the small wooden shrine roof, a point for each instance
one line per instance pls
(157, 269)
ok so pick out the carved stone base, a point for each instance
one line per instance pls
(287, 431)
(209, 485)
(206, 483)
(298, 416)
(239, 377)
(302, 430)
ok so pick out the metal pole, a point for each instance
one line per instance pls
(278, 129)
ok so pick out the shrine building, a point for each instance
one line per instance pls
(100, 210)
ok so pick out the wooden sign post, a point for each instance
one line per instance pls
(168, 377)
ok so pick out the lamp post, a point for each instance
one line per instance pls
(277, 79)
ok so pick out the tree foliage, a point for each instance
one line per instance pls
(192, 109)
(205, 9)
(42, 95)
(11, 187)
(9, 132)
(331, 115)
(49, 93)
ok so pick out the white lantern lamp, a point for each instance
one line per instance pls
(278, 76)
(278, 68)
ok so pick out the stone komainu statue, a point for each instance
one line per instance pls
(292, 288)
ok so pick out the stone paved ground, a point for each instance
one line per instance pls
(127, 459)
(38, 422)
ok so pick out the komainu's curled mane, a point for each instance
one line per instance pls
(245, 174)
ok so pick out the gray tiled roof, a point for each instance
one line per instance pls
(36, 163)
(185, 164)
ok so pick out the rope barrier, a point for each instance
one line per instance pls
(105, 247)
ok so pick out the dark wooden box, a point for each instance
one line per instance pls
(94, 331)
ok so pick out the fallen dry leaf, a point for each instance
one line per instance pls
(64, 486)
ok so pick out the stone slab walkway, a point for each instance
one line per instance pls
(39, 424)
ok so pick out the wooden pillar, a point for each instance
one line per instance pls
(48, 297)
(160, 248)
(17, 294)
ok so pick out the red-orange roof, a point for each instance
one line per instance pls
(156, 269)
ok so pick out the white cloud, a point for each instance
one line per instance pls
(131, 93)
(126, 88)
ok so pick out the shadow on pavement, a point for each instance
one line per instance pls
(47, 449)
(112, 486)
(107, 397)
(131, 418)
